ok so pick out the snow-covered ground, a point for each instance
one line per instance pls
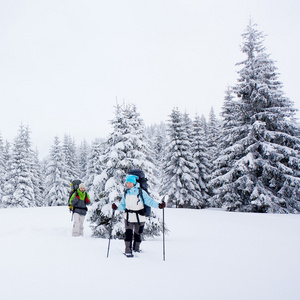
(210, 254)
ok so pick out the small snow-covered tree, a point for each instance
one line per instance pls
(56, 182)
(125, 149)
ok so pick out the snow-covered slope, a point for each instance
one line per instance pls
(210, 255)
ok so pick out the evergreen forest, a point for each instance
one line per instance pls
(245, 160)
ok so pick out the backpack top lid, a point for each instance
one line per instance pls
(142, 180)
(137, 172)
(75, 184)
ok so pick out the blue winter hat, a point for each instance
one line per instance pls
(131, 178)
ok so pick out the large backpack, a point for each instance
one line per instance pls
(142, 180)
(74, 186)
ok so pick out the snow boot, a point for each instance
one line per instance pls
(128, 254)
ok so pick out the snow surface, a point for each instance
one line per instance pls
(210, 254)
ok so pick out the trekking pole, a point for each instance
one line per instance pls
(164, 242)
(111, 223)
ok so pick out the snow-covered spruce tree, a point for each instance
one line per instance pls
(94, 167)
(201, 158)
(2, 168)
(213, 136)
(157, 140)
(180, 178)
(57, 185)
(83, 153)
(230, 115)
(204, 125)
(35, 169)
(19, 190)
(6, 160)
(70, 157)
(6, 152)
(38, 179)
(188, 125)
(125, 149)
(230, 133)
(260, 168)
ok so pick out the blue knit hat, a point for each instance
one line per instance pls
(131, 178)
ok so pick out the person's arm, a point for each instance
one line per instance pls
(88, 200)
(149, 201)
(122, 205)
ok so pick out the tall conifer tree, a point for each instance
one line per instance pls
(94, 165)
(2, 168)
(19, 191)
(125, 149)
(179, 181)
(201, 159)
(261, 165)
(56, 182)
(83, 160)
(70, 158)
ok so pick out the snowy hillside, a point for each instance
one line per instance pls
(210, 255)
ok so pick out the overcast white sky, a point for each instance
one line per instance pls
(63, 63)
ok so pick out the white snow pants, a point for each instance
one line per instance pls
(78, 225)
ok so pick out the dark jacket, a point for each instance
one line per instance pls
(79, 200)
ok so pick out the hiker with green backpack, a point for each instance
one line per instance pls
(133, 202)
(77, 203)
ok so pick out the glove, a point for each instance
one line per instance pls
(114, 206)
(162, 205)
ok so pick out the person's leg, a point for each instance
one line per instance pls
(138, 230)
(128, 236)
(81, 224)
(76, 225)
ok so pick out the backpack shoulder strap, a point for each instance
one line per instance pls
(141, 195)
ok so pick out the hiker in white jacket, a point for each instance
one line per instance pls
(133, 204)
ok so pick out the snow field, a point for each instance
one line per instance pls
(210, 255)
